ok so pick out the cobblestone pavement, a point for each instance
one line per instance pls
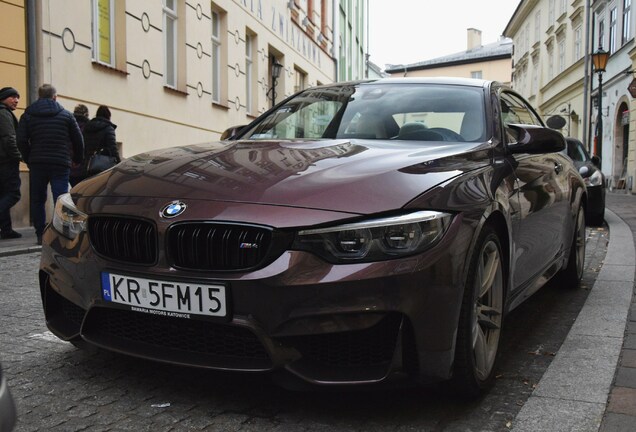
(60, 388)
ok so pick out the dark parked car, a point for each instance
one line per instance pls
(356, 233)
(590, 170)
(7, 406)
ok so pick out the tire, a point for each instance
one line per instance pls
(481, 319)
(571, 275)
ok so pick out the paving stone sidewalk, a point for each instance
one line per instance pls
(620, 414)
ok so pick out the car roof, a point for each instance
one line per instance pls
(472, 82)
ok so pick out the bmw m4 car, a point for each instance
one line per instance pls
(356, 233)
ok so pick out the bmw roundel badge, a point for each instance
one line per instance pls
(174, 209)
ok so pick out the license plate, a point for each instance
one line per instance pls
(167, 298)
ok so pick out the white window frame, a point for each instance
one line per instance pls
(627, 20)
(170, 45)
(578, 42)
(249, 71)
(97, 52)
(551, 12)
(612, 30)
(300, 80)
(601, 33)
(561, 51)
(216, 55)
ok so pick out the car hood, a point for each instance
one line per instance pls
(359, 177)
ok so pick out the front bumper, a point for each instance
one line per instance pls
(325, 323)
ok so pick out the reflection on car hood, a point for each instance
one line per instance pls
(352, 176)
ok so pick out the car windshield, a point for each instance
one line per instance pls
(419, 112)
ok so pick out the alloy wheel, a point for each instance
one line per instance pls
(487, 311)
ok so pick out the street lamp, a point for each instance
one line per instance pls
(599, 60)
(276, 70)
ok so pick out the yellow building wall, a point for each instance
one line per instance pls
(13, 48)
(13, 73)
(497, 70)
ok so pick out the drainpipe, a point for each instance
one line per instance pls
(336, 36)
(587, 79)
(34, 48)
(366, 48)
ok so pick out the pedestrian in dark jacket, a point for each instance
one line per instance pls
(49, 140)
(9, 161)
(81, 117)
(99, 137)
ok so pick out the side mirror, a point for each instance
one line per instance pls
(535, 139)
(584, 171)
(596, 161)
(231, 132)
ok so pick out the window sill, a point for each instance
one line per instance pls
(218, 105)
(174, 90)
(103, 66)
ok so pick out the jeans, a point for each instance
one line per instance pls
(40, 177)
(9, 192)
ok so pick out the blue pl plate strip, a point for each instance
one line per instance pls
(106, 291)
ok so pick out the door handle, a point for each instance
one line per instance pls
(558, 167)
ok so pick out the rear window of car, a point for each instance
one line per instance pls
(576, 152)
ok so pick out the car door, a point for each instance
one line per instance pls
(541, 188)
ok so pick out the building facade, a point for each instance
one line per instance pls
(351, 39)
(176, 72)
(554, 41)
(613, 31)
(492, 61)
(549, 59)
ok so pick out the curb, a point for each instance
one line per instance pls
(19, 250)
(573, 392)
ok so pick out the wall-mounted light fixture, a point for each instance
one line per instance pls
(277, 68)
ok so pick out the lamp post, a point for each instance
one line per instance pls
(599, 60)
(276, 70)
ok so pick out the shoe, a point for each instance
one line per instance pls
(10, 235)
(39, 240)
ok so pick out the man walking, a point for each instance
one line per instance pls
(49, 139)
(9, 161)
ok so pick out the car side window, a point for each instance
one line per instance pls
(516, 111)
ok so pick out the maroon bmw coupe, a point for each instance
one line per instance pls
(356, 233)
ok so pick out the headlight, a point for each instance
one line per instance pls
(67, 219)
(596, 179)
(376, 239)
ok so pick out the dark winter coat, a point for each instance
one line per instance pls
(8, 143)
(48, 134)
(99, 136)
